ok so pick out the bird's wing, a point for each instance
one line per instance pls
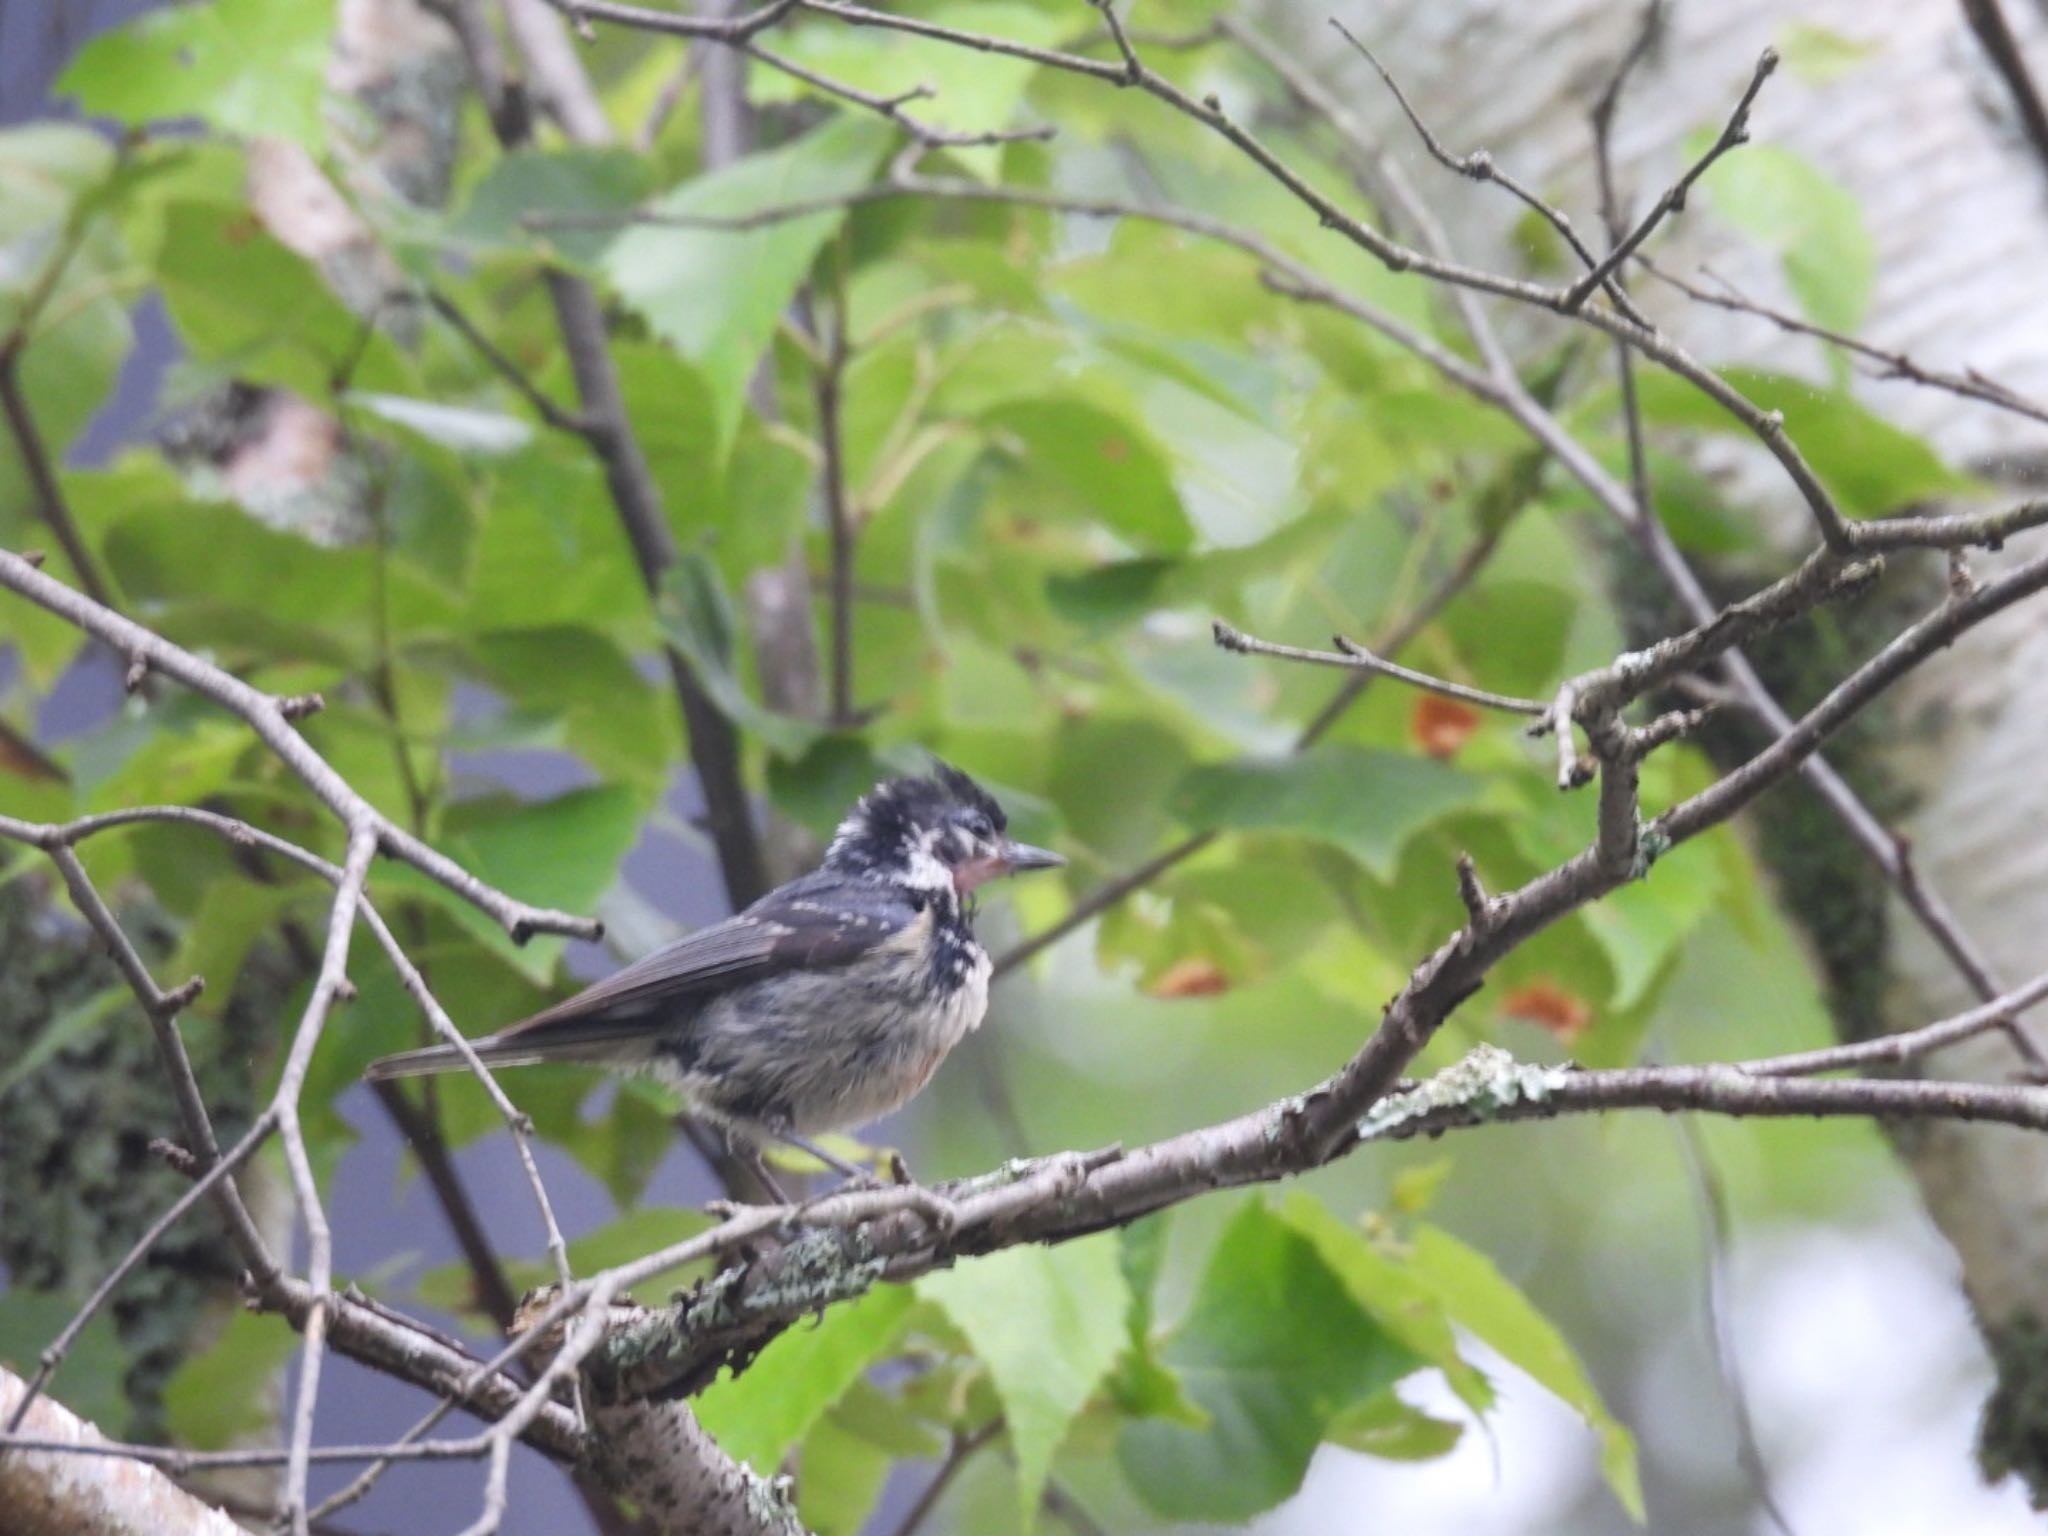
(813, 923)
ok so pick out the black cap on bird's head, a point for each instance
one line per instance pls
(932, 830)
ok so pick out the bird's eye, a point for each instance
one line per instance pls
(981, 827)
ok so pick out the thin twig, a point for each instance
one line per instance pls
(270, 718)
(554, 415)
(957, 1456)
(828, 381)
(1356, 657)
(1994, 33)
(1970, 384)
(1733, 134)
(1479, 165)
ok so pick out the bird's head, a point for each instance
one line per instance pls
(936, 831)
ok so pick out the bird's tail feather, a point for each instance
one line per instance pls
(571, 1041)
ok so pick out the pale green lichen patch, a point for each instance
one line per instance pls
(1477, 1087)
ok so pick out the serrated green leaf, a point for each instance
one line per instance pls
(1392, 1430)
(1272, 1350)
(1101, 466)
(248, 67)
(717, 294)
(1487, 1305)
(773, 1404)
(559, 853)
(1049, 1324)
(514, 204)
(1379, 1283)
(1367, 802)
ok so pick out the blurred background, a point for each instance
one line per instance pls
(1770, 1309)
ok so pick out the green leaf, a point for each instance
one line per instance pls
(981, 90)
(815, 789)
(1109, 596)
(606, 711)
(760, 1414)
(1488, 1306)
(1403, 1305)
(1367, 802)
(1392, 1430)
(511, 205)
(1142, 1386)
(842, 1477)
(1870, 466)
(92, 1380)
(1643, 926)
(225, 580)
(719, 294)
(249, 67)
(1784, 202)
(214, 256)
(1273, 1350)
(560, 853)
(45, 168)
(451, 426)
(1049, 1323)
(1819, 55)
(219, 1394)
(1102, 466)
(550, 550)
(697, 616)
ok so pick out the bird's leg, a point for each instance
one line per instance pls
(830, 1160)
(748, 1151)
(758, 1166)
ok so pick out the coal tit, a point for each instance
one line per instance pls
(824, 1005)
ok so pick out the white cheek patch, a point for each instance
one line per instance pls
(923, 869)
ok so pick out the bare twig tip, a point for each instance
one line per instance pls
(173, 1156)
(1230, 639)
(299, 705)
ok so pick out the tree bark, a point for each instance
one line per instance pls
(64, 1493)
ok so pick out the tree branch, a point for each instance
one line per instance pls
(713, 742)
(270, 717)
(45, 1487)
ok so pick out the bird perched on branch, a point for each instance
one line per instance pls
(824, 1005)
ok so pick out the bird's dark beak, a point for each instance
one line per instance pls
(1010, 859)
(1019, 857)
